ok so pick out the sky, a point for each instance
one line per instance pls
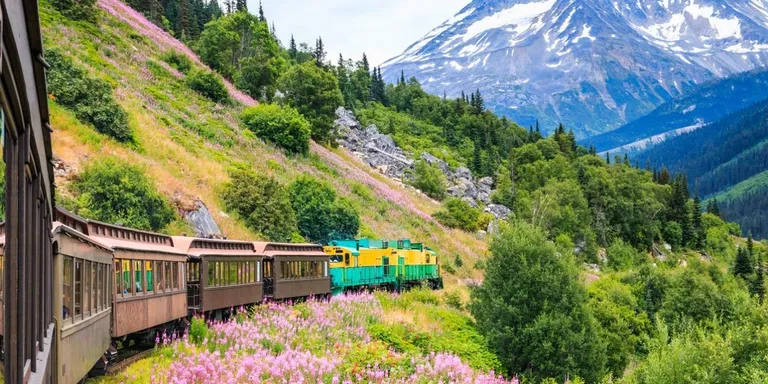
(380, 28)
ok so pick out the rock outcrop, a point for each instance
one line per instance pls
(202, 221)
(380, 151)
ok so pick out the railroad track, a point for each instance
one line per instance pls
(123, 361)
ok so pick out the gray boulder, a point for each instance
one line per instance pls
(498, 211)
(202, 221)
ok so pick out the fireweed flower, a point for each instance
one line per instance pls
(310, 342)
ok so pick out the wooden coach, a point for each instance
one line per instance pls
(149, 286)
(221, 274)
(26, 303)
(294, 270)
(83, 301)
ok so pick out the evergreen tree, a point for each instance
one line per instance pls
(261, 13)
(751, 247)
(758, 285)
(241, 5)
(229, 6)
(182, 23)
(664, 176)
(626, 160)
(715, 208)
(743, 266)
(608, 158)
(698, 228)
(293, 52)
(365, 64)
(402, 78)
(155, 12)
(477, 160)
(320, 52)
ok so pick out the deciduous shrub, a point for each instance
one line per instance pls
(622, 255)
(457, 213)
(262, 203)
(283, 126)
(113, 191)
(77, 9)
(208, 84)
(91, 99)
(315, 93)
(177, 60)
(320, 215)
(428, 179)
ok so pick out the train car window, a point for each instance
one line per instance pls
(325, 269)
(90, 288)
(346, 259)
(148, 277)
(211, 274)
(67, 287)
(176, 275)
(78, 288)
(118, 280)
(96, 287)
(168, 275)
(138, 271)
(86, 287)
(159, 276)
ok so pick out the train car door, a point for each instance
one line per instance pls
(385, 263)
(269, 278)
(193, 286)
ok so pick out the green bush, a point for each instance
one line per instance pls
(77, 9)
(428, 179)
(177, 60)
(622, 255)
(116, 192)
(262, 203)
(453, 300)
(320, 214)
(208, 84)
(315, 93)
(198, 330)
(91, 99)
(283, 126)
(457, 213)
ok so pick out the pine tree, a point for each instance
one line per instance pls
(664, 176)
(366, 66)
(743, 266)
(477, 160)
(626, 160)
(402, 78)
(696, 223)
(751, 247)
(229, 6)
(261, 14)
(155, 13)
(293, 52)
(182, 23)
(608, 158)
(241, 5)
(715, 208)
(320, 52)
(758, 285)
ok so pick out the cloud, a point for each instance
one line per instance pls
(380, 28)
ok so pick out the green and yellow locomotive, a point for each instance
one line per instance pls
(380, 264)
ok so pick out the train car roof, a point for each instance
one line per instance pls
(199, 247)
(288, 249)
(354, 252)
(59, 228)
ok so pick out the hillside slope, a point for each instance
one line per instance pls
(728, 157)
(187, 143)
(702, 105)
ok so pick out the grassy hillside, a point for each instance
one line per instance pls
(186, 143)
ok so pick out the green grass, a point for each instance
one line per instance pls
(754, 184)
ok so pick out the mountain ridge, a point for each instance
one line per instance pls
(593, 65)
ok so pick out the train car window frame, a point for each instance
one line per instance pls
(68, 289)
(98, 304)
(158, 267)
(325, 269)
(168, 276)
(175, 272)
(149, 277)
(211, 274)
(87, 287)
(78, 291)
(118, 277)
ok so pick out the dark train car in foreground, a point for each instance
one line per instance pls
(221, 274)
(294, 271)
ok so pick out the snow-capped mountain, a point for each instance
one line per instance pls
(591, 64)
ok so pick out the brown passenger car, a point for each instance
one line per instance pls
(221, 274)
(293, 271)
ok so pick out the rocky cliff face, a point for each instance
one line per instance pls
(380, 152)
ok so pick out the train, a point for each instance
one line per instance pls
(117, 286)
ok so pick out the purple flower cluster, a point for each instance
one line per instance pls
(312, 342)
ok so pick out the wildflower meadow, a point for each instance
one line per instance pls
(310, 342)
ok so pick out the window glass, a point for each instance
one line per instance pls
(126, 277)
(78, 287)
(97, 287)
(168, 275)
(175, 272)
(211, 274)
(86, 287)
(67, 287)
(159, 276)
(233, 278)
(148, 276)
(138, 272)
(252, 268)
(325, 269)
(118, 280)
